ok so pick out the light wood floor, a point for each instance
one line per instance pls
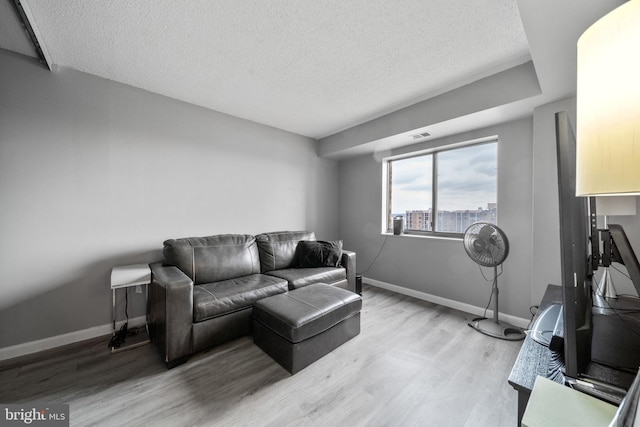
(413, 364)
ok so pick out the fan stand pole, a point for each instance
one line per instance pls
(495, 293)
(496, 328)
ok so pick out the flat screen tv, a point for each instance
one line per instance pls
(574, 254)
(600, 344)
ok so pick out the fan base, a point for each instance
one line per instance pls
(497, 329)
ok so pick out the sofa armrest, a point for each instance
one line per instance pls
(171, 311)
(349, 263)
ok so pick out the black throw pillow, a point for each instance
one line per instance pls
(319, 253)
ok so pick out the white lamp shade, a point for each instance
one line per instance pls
(608, 105)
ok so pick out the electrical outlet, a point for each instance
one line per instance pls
(138, 289)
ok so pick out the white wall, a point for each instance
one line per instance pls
(441, 267)
(95, 174)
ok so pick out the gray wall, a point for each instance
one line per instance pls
(500, 89)
(528, 212)
(546, 218)
(95, 174)
(546, 223)
(436, 266)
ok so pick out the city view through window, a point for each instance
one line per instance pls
(450, 221)
(465, 189)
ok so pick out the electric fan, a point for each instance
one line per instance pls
(488, 246)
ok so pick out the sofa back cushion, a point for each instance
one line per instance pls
(278, 249)
(214, 258)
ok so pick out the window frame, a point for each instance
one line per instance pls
(387, 218)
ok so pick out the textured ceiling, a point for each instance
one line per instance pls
(309, 67)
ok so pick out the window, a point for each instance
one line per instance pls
(444, 190)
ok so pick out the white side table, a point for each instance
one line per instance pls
(123, 277)
(552, 404)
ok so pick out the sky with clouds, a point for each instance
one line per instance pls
(466, 180)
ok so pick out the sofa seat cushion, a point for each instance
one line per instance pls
(219, 298)
(306, 312)
(301, 277)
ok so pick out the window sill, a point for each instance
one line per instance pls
(424, 236)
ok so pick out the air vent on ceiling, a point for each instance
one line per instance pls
(420, 135)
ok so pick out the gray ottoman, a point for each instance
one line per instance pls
(301, 326)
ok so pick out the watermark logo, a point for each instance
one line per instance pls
(34, 415)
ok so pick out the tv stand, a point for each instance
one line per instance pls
(533, 359)
(536, 359)
(616, 335)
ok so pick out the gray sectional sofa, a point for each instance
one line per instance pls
(203, 293)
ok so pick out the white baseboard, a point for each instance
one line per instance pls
(467, 308)
(98, 331)
(64, 339)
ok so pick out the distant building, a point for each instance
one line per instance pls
(449, 221)
(418, 220)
